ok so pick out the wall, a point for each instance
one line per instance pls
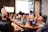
(45, 7)
(12, 2)
(6, 3)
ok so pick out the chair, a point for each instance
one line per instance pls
(5, 27)
(45, 29)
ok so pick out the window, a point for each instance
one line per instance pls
(24, 6)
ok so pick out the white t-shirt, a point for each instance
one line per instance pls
(41, 24)
(3, 10)
(31, 15)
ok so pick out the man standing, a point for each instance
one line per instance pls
(3, 12)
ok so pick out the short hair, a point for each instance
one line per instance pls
(31, 11)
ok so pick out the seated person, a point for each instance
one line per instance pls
(31, 19)
(19, 17)
(14, 17)
(24, 19)
(30, 22)
(40, 23)
(31, 13)
(16, 20)
(11, 16)
(16, 27)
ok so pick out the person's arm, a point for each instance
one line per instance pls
(27, 25)
(41, 25)
(21, 19)
(37, 27)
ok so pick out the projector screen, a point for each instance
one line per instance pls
(9, 9)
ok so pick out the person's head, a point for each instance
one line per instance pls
(40, 19)
(27, 15)
(30, 12)
(24, 15)
(19, 15)
(11, 14)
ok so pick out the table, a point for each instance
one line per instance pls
(26, 26)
